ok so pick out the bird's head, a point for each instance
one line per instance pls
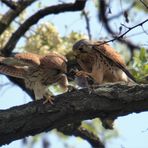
(82, 46)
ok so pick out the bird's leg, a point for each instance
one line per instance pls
(63, 82)
(42, 92)
(48, 97)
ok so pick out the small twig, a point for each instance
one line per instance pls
(131, 28)
(144, 30)
(134, 34)
(10, 4)
(119, 38)
(121, 13)
(87, 23)
(125, 26)
(123, 34)
(144, 4)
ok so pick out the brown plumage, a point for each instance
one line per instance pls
(101, 62)
(38, 71)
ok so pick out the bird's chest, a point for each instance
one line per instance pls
(103, 62)
(33, 77)
(86, 61)
(43, 76)
(94, 59)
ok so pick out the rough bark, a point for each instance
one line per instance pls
(106, 101)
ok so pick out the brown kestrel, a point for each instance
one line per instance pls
(37, 71)
(100, 62)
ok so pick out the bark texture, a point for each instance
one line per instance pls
(106, 101)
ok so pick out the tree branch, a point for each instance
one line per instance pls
(10, 45)
(10, 15)
(10, 4)
(87, 20)
(144, 4)
(123, 34)
(90, 137)
(105, 21)
(121, 13)
(107, 101)
(75, 129)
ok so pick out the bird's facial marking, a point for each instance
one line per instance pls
(82, 46)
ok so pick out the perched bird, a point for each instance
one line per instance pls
(100, 62)
(37, 71)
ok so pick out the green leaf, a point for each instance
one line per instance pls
(146, 68)
(142, 55)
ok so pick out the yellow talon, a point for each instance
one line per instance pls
(48, 99)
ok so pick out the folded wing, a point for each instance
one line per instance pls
(112, 55)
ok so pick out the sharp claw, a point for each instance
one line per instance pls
(48, 99)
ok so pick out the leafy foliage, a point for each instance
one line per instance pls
(5, 36)
(46, 38)
(96, 127)
(140, 65)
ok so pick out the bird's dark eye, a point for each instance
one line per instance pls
(81, 49)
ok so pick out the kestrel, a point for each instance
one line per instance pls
(100, 62)
(37, 71)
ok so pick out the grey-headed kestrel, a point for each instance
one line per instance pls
(37, 71)
(100, 62)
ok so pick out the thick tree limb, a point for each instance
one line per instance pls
(107, 101)
(10, 15)
(10, 45)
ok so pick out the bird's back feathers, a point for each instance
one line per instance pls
(113, 56)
